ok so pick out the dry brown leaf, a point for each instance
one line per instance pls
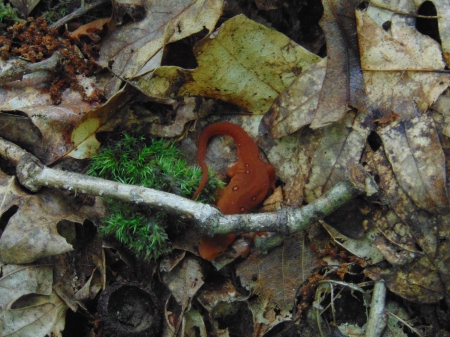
(210, 297)
(276, 276)
(397, 66)
(244, 63)
(415, 153)
(28, 306)
(432, 272)
(295, 107)
(11, 194)
(292, 157)
(341, 145)
(184, 281)
(91, 29)
(443, 13)
(423, 224)
(136, 48)
(343, 81)
(24, 6)
(31, 232)
(396, 242)
(416, 282)
(52, 131)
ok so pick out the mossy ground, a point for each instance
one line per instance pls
(157, 164)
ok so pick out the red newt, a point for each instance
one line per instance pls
(251, 179)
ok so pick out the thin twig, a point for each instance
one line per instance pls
(377, 317)
(77, 13)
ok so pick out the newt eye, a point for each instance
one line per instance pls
(235, 188)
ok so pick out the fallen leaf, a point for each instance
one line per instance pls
(243, 63)
(11, 194)
(443, 8)
(28, 306)
(136, 48)
(277, 275)
(343, 82)
(415, 153)
(31, 233)
(184, 281)
(295, 107)
(91, 29)
(340, 146)
(24, 6)
(362, 248)
(398, 65)
(417, 282)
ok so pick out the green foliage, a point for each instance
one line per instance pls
(156, 164)
(7, 12)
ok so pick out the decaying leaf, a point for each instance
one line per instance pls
(243, 63)
(343, 83)
(443, 10)
(137, 48)
(363, 248)
(396, 242)
(295, 107)
(341, 145)
(184, 281)
(25, 6)
(32, 232)
(398, 65)
(82, 138)
(91, 29)
(417, 282)
(414, 151)
(28, 306)
(11, 193)
(277, 275)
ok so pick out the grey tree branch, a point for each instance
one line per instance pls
(33, 175)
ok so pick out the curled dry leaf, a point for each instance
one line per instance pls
(243, 63)
(363, 247)
(91, 30)
(137, 48)
(343, 82)
(443, 10)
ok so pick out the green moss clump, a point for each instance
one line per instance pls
(8, 13)
(151, 163)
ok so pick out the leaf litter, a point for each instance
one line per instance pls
(378, 80)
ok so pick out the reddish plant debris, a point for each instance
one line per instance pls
(34, 41)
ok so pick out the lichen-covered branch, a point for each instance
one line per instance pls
(33, 175)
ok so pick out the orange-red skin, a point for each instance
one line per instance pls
(251, 179)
